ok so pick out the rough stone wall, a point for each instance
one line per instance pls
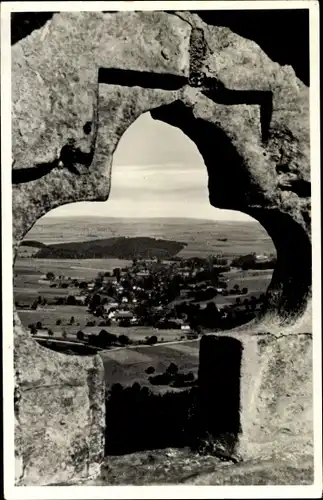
(59, 413)
(277, 396)
(248, 117)
(265, 398)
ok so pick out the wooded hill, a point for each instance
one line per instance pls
(118, 247)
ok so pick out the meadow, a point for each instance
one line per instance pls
(27, 272)
(128, 365)
(74, 268)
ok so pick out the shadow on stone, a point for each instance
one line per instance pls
(205, 418)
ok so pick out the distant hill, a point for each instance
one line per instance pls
(118, 247)
(200, 237)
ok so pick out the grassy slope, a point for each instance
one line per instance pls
(128, 365)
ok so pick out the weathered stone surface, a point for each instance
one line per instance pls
(272, 472)
(59, 412)
(263, 384)
(66, 126)
(56, 73)
(277, 396)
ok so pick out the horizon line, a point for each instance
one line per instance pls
(76, 216)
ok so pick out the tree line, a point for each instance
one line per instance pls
(137, 420)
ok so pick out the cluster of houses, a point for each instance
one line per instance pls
(149, 291)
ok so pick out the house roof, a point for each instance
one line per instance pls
(111, 304)
(178, 321)
(123, 314)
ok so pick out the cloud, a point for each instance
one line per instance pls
(166, 179)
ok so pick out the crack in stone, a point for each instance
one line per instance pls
(215, 90)
(50, 386)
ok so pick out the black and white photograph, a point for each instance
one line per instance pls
(161, 249)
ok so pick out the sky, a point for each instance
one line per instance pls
(157, 171)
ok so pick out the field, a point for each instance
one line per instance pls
(75, 268)
(127, 366)
(28, 271)
(256, 282)
(49, 315)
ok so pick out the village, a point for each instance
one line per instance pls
(189, 296)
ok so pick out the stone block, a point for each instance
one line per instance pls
(259, 387)
(60, 415)
(277, 395)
